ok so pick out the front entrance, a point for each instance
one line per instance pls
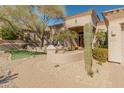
(79, 30)
(80, 39)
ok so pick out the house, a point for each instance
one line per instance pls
(113, 24)
(101, 26)
(76, 23)
(114, 20)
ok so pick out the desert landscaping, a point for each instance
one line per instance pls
(80, 51)
(37, 72)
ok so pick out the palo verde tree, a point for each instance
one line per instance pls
(66, 38)
(34, 18)
(7, 33)
(88, 37)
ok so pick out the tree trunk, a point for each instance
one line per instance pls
(68, 45)
(75, 43)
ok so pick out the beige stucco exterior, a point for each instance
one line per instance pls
(114, 18)
(81, 19)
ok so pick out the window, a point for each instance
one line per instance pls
(122, 26)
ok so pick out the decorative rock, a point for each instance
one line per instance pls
(60, 47)
(51, 49)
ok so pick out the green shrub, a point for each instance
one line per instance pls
(100, 54)
(7, 33)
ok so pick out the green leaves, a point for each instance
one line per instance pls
(100, 54)
(101, 38)
(7, 33)
(65, 35)
(33, 18)
(53, 11)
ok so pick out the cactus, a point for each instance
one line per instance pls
(88, 36)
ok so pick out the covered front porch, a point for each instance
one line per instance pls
(79, 30)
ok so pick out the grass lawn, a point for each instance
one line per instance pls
(18, 54)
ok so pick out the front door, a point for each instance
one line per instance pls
(81, 43)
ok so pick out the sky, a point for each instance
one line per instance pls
(74, 9)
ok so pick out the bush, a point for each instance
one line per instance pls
(7, 33)
(100, 54)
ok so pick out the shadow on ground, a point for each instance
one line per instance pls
(8, 78)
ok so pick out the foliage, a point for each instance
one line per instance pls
(65, 36)
(100, 54)
(7, 33)
(88, 36)
(18, 54)
(34, 18)
(62, 35)
(0, 32)
(101, 38)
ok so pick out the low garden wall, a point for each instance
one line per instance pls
(67, 57)
(7, 44)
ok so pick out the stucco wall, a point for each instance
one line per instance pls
(78, 21)
(114, 42)
(115, 36)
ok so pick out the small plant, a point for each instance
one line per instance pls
(88, 36)
(100, 54)
(101, 39)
